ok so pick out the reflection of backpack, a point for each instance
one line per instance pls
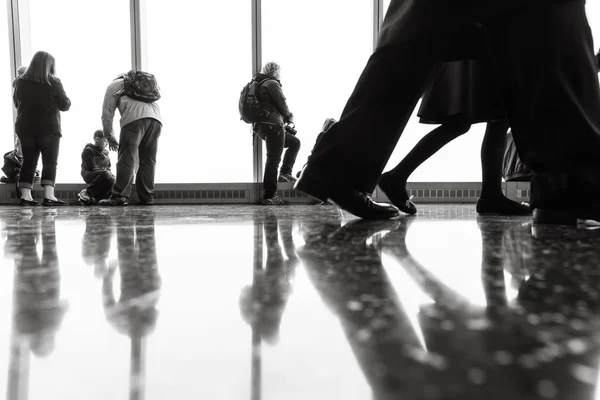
(140, 86)
(513, 168)
(249, 104)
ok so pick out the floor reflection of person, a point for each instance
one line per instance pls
(263, 303)
(95, 244)
(449, 348)
(135, 313)
(505, 343)
(38, 309)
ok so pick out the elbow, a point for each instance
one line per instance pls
(65, 105)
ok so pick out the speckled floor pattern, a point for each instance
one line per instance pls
(295, 302)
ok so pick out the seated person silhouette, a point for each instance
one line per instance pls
(95, 171)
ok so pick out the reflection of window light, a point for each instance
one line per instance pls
(408, 293)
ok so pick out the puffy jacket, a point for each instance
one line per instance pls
(93, 158)
(275, 108)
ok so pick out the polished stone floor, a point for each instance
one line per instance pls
(297, 302)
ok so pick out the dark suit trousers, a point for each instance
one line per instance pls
(547, 62)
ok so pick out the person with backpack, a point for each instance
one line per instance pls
(271, 126)
(39, 97)
(95, 171)
(135, 94)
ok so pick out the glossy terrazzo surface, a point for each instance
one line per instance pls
(297, 302)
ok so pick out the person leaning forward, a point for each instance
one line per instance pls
(543, 52)
(140, 129)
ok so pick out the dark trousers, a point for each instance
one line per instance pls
(276, 139)
(99, 183)
(553, 108)
(138, 139)
(33, 146)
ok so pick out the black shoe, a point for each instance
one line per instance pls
(54, 203)
(397, 196)
(353, 201)
(31, 203)
(502, 206)
(114, 201)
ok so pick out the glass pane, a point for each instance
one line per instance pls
(90, 51)
(201, 64)
(6, 116)
(322, 47)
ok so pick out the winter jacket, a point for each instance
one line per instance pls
(275, 108)
(94, 158)
(38, 107)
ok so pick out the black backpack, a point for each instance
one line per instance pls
(140, 86)
(249, 105)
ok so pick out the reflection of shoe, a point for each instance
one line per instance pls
(353, 201)
(397, 195)
(502, 206)
(54, 203)
(32, 203)
(276, 200)
(115, 201)
(286, 178)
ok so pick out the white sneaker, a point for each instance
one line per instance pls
(84, 196)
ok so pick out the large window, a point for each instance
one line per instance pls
(91, 44)
(322, 47)
(201, 54)
(6, 116)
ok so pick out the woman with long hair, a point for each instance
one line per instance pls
(39, 97)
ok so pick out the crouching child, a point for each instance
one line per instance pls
(95, 171)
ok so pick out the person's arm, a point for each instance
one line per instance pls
(63, 102)
(109, 106)
(279, 100)
(87, 161)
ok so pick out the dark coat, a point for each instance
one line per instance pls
(408, 20)
(93, 158)
(38, 107)
(275, 108)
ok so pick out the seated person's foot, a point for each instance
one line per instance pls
(114, 201)
(286, 178)
(28, 202)
(501, 206)
(48, 202)
(395, 190)
(84, 198)
(275, 200)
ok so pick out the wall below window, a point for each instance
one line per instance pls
(250, 193)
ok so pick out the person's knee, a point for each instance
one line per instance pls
(105, 175)
(295, 144)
